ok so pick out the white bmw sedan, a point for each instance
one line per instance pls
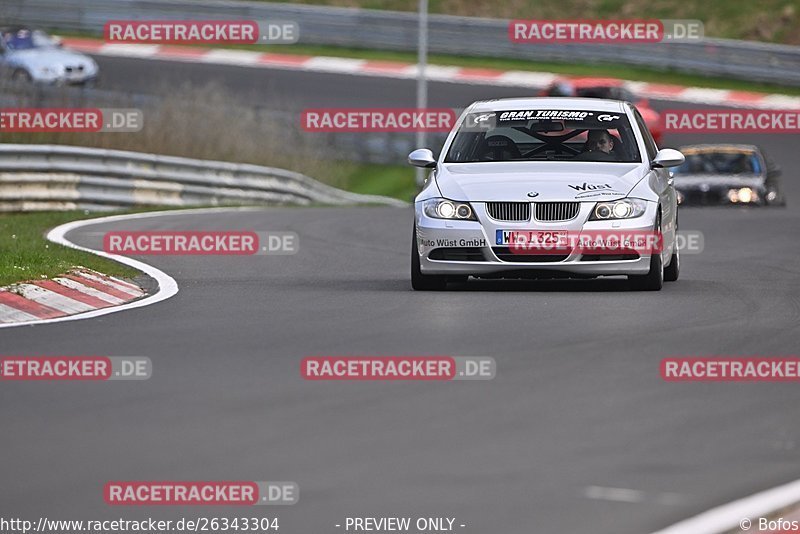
(31, 56)
(546, 188)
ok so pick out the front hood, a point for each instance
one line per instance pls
(539, 181)
(52, 58)
(705, 182)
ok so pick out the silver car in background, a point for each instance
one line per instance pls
(543, 170)
(34, 57)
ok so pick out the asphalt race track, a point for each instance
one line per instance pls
(577, 403)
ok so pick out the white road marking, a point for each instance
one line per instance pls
(727, 517)
(613, 494)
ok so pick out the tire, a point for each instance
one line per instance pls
(21, 76)
(654, 279)
(673, 271)
(419, 281)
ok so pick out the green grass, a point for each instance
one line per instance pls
(395, 181)
(27, 255)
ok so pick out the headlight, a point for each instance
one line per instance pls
(441, 208)
(627, 208)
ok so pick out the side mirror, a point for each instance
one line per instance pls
(422, 157)
(57, 42)
(667, 157)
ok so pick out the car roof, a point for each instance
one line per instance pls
(550, 103)
(718, 147)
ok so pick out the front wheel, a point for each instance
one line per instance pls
(419, 281)
(21, 76)
(673, 270)
(654, 279)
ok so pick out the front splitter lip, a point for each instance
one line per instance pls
(589, 268)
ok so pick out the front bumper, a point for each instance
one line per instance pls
(468, 247)
(62, 80)
(719, 196)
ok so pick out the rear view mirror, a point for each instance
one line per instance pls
(547, 126)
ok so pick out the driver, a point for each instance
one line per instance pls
(599, 141)
(599, 146)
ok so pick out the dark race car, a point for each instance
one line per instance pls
(728, 174)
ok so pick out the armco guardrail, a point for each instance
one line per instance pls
(463, 36)
(388, 148)
(55, 177)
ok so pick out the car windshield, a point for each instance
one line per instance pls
(24, 39)
(544, 135)
(720, 162)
